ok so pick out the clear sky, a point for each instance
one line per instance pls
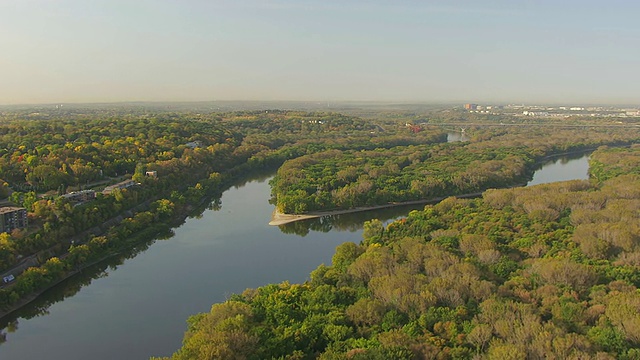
(556, 51)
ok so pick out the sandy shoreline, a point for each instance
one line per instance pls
(278, 218)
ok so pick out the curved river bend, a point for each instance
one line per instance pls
(134, 308)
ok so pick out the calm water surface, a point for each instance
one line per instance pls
(140, 308)
(135, 307)
(569, 167)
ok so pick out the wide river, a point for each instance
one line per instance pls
(135, 306)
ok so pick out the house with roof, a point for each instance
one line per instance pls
(121, 185)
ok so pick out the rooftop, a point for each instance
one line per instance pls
(9, 209)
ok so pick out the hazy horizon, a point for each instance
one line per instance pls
(301, 104)
(72, 51)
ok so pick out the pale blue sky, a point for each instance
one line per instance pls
(179, 50)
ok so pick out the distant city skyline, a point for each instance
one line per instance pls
(74, 51)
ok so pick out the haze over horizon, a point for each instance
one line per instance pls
(411, 51)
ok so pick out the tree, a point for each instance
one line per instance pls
(7, 251)
(4, 189)
(163, 207)
(479, 337)
(345, 255)
(372, 232)
(139, 173)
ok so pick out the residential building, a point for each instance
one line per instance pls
(194, 144)
(80, 196)
(121, 185)
(12, 218)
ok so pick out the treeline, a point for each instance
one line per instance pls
(607, 164)
(96, 146)
(45, 155)
(348, 179)
(49, 154)
(72, 237)
(142, 226)
(493, 159)
(550, 271)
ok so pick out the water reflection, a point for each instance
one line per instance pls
(347, 222)
(256, 175)
(561, 168)
(71, 286)
(116, 298)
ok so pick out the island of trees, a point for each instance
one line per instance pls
(349, 179)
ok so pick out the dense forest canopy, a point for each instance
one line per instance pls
(549, 271)
(45, 154)
(192, 156)
(493, 159)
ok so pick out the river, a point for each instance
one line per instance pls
(136, 306)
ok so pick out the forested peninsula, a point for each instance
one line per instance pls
(544, 272)
(496, 158)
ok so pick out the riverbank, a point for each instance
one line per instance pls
(33, 296)
(135, 240)
(234, 176)
(278, 218)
